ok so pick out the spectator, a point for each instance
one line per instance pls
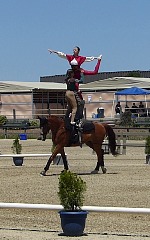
(142, 109)
(118, 108)
(127, 107)
(134, 110)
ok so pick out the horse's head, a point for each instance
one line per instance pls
(44, 127)
(52, 123)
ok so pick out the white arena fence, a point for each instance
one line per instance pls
(57, 161)
(86, 208)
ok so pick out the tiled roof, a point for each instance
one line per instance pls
(99, 76)
(116, 83)
(12, 86)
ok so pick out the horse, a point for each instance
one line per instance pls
(92, 138)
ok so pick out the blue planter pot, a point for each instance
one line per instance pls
(73, 223)
(18, 161)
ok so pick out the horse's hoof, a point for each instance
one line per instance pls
(94, 172)
(39, 138)
(104, 170)
(43, 173)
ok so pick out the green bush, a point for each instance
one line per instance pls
(16, 147)
(125, 119)
(71, 191)
(147, 145)
(3, 119)
(35, 123)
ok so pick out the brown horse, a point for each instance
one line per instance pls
(93, 139)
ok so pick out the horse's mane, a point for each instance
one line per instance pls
(56, 119)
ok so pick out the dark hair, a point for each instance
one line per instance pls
(69, 72)
(77, 48)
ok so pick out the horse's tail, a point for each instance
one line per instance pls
(111, 139)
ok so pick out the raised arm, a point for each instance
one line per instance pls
(86, 72)
(89, 59)
(60, 54)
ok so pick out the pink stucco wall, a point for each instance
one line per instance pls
(106, 100)
(22, 103)
(25, 108)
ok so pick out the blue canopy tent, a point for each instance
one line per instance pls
(134, 91)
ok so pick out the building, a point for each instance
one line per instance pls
(30, 99)
(101, 94)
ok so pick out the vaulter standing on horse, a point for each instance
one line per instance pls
(73, 95)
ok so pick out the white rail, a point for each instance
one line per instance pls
(87, 208)
(57, 160)
(28, 155)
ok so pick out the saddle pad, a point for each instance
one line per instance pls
(88, 127)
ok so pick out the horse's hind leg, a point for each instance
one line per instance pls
(100, 162)
(100, 157)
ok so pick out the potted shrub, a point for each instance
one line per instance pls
(147, 150)
(71, 195)
(17, 148)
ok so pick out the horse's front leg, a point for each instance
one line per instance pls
(55, 152)
(63, 155)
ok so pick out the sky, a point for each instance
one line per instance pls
(117, 29)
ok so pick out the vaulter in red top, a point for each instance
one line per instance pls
(75, 61)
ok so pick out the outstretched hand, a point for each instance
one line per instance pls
(50, 51)
(99, 57)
